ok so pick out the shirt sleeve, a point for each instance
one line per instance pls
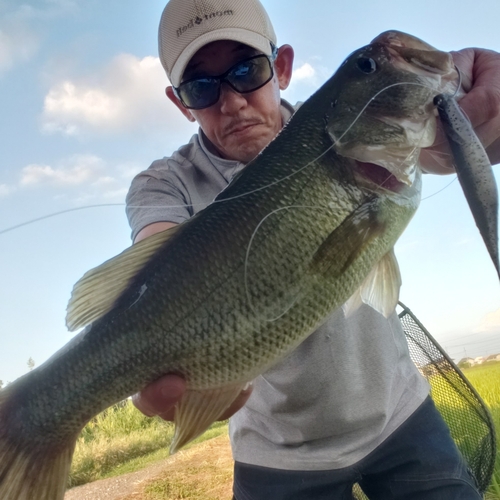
(157, 195)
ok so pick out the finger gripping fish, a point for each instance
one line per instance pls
(309, 223)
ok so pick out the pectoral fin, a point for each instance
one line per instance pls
(380, 289)
(198, 410)
(347, 242)
(96, 292)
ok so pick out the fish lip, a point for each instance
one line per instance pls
(395, 38)
(400, 60)
(406, 51)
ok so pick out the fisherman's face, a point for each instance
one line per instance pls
(238, 125)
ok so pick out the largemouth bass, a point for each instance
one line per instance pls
(224, 296)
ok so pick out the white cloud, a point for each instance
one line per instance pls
(67, 108)
(306, 79)
(127, 95)
(78, 170)
(490, 323)
(21, 26)
(79, 178)
(312, 74)
(36, 10)
(304, 72)
(17, 44)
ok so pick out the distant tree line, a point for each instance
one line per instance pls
(31, 365)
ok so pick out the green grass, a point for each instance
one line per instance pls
(486, 380)
(121, 440)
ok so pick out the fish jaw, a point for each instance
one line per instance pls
(396, 118)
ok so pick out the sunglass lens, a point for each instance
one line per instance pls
(251, 74)
(200, 93)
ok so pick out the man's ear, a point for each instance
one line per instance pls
(186, 112)
(283, 65)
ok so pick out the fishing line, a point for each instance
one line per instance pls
(459, 81)
(374, 97)
(247, 256)
(436, 153)
(428, 152)
(169, 206)
(48, 216)
(335, 143)
(442, 189)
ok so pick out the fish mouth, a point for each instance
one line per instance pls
(387, 145)
(379, 175)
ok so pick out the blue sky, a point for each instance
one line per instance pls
(83, 109)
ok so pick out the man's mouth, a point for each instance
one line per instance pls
(240, 128)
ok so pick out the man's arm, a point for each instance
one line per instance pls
(161, 396)
(151, 229)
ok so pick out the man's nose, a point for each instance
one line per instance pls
(230, 99)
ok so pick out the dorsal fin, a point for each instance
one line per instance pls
(96, 292)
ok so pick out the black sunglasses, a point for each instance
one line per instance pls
(245, 76)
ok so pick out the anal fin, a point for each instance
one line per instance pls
(197, 410)
(380, 289)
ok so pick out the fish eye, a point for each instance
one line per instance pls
(366, 65)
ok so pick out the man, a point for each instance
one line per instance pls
(322, 419)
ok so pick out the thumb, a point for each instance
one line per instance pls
(160, 397)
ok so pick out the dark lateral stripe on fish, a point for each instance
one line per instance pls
(474, 171)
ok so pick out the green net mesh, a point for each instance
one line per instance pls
(460, 405)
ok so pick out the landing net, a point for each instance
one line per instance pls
(462, 408)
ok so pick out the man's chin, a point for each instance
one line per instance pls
(245, 150)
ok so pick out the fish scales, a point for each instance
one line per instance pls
(224, 296)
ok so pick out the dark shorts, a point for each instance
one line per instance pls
(420, 461)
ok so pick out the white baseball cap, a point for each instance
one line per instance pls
(188, 25)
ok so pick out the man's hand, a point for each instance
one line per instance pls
(160, 397)
(480, 71)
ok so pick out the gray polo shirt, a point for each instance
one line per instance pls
(341, 393)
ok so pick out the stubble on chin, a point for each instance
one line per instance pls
(246, 149)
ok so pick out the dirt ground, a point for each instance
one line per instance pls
(207, 466)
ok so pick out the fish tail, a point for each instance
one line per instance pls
(29, 471)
